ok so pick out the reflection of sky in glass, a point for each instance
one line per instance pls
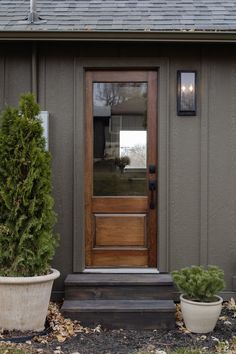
(133, 144)
(187, 79)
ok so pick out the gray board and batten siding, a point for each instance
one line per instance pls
(196, 155)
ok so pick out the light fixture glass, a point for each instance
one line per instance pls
(186, 93)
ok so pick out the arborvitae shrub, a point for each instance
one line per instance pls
(27, 239)
(198, 283)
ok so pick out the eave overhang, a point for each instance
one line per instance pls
(134, 36)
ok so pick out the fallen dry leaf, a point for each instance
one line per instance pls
(62, 328)
(223, 318)
(227, 323)
(178, 314)
(180, 321)
(215, 339)
(60, 338)
(184, 330)
(231, 305)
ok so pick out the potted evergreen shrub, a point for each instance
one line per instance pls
(200, 304)
(27, 240)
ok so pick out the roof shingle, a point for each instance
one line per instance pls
(121, 15)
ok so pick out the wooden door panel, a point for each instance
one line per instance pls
(120, 225)
(121, 205)
(119, 258)
(120, 76)
(111, 230)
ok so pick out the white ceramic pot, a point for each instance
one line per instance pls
(200, 317)
(24, 301)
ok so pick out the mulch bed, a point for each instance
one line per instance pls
(68, 336)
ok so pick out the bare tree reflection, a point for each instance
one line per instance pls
(111, 94)
(137, 155)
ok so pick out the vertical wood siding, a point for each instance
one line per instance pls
(222, 165)
(184, 183)
(56, 95)
(16, 77)
(199, 163)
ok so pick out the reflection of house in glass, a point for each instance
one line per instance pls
(110, 121)
(102, 116)
(132, 130)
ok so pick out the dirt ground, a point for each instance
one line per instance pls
(69, 337)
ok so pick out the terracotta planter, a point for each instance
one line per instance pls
(24, 301)
(200, 317)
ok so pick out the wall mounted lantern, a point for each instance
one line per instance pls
(186, 93)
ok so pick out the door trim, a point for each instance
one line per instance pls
(131, 256)
(80, 66)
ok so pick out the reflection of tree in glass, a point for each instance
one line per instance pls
(122, 162)
(109, 94)
(114, 93)
(137, 155)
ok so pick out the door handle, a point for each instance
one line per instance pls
(152, 169)
(152, 188)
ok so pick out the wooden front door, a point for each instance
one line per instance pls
(120, 169)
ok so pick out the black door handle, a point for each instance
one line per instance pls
(152, 169)
(152, 188)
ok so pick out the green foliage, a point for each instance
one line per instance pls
(11, 350)
(27, 240)
(198, 283)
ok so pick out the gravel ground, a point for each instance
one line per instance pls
(101, 341)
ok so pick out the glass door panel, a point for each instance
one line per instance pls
(120, 139)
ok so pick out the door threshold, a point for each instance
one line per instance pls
(122, 270)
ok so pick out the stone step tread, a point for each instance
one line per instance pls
(118, 279)
(118, 306)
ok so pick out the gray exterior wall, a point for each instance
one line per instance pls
(197, 155)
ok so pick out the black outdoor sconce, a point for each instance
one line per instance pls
(186, 93)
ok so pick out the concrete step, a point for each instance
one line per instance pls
(132, 314)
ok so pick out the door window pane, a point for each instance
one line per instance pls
(120, 139)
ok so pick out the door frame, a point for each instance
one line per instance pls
(125, 204)
(161, 65)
